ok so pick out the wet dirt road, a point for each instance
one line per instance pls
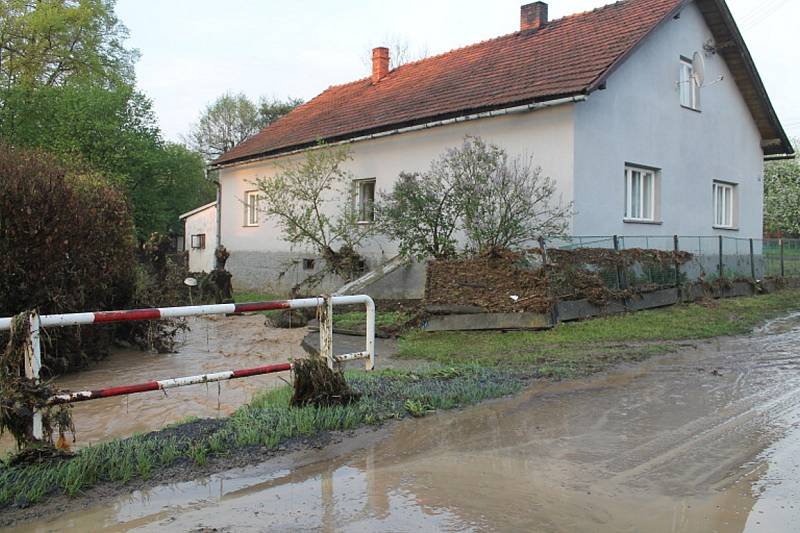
(212, 344)
(704, 440)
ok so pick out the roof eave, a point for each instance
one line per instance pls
(390, 128)
(784, 148)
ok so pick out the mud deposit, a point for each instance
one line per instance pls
(705, 440)
(212, 344)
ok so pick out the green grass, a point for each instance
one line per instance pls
(581, 347)
(244, 297)
(266, 422)
(383, 319)
(348, 320)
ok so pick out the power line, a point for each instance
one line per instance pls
(764, 13)
(756, 11)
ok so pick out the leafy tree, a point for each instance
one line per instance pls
(422, 213)
(782, 197)
(231, 119)
(53, 42)
(271, 109)
(114, 132)
(312, 201)
(224, 123)
(506, 203)
(476, 190)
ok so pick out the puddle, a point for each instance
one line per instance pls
(705, 440)
(212, 344)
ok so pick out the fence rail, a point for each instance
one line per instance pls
(324, 304)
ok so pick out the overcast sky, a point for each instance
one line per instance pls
(194, 50)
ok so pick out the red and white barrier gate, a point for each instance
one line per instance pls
(33, 359)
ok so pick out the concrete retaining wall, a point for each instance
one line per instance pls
(568, 311)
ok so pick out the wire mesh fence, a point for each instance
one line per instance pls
(647, 261)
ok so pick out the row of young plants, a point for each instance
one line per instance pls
(265, 423)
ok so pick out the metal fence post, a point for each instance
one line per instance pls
(33, 366)
(326, 329)
(543, 250)
(620, 273)
(721, 261)
(752, 262)
(677, 249)
(783, 268)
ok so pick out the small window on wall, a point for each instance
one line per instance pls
(641, 194)
(251, 205)
(199, 241)
(366, 200)
(690, 91)
(308, 264)
(724, 205)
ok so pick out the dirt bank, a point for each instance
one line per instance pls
(702, 440)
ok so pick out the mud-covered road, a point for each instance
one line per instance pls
(704, 440)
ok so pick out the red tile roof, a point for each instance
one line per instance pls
(568, 56)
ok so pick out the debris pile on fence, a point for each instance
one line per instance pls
(20, 396)
(489, 281)
(506, 281)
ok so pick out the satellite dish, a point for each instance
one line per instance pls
(190, 282)
(699, 68)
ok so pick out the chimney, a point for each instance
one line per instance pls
(380, 63)
(533, 16)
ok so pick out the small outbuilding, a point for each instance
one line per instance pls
(200, 233)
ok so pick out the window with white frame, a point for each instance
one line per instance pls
(251, 205)
(724, 204)
(689, 90)
(641, 194)
(199, 241)
(365, 199)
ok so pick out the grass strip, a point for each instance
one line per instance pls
(265, 422)
(579, 347)
(383, 319)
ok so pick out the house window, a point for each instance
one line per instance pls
(690, 91)
(366, 200)
(251, 205)
(724, 205)
(308, 264)
(640, 194)
(199, 241)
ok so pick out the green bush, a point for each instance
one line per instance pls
(66, 245)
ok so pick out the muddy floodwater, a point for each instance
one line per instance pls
(212, 344)
(704, 440)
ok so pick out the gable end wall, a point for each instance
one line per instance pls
(639, 119)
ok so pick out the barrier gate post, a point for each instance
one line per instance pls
(326, 330)
(33, 366)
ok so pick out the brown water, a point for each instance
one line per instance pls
(706, 440)
(212, 344)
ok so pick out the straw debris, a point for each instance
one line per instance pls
(316, 384)
(21, 396)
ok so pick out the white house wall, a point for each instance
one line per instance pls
(638, 119)
(201, 223)
(259, 255)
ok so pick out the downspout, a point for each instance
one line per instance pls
(218, 236)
